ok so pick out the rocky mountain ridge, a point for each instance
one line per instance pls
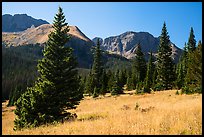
(19, 22)
(126, 43)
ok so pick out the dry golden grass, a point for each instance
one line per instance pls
(158, 113)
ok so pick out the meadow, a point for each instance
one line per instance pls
(158, 113)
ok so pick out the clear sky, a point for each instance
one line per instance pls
(105, 19)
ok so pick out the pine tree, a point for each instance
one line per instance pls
(165, 64)
(194, 70)
(89, 86)
(149, 75)
(104, 81)
(116, 87)
(180, 75)
(154, 77)
(138, 67)
(97, 69)
(129, 83)
(191, 41)
(110, 76)
(57, 88)
(184, 58)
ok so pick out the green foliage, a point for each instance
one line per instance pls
(14, 95)
(114, 62)
(58, 85)
(104, 81)
(89, 86)
(116, 87)
(19, 69)
(140, 88)
(110, 76)
(129, 83)
(166, 74)
(97, 69)
(138, 66)
(158, 87)
(28, 111)
(177, 93)
(149, 75)
(185, 90)
(95, 77)
(191, 41)
(193, 77)
(96, 92)
(180, 76)
(137, 106)
(122, 78)
(154, 77)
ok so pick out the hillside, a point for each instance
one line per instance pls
(159, 113)
(19, 22)
(38, 35)
(125, 44)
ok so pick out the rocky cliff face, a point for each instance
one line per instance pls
(126, 44)
(19, 22)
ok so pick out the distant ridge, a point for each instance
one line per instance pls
(19, 22)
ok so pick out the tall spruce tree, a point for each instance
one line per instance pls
(193, 78)
(89, 86)
(104, 82)
(96, 73)
(110, 76)
(165, 64)
(149, 75)
(58, 86)
(180, 74)
(138, 67)
(182, 68)
(184, 59)
(191, 41)
(116, 87)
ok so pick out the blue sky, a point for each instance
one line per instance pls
(104, 19)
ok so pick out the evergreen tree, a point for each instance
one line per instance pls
(182, 68)
(180, 75)
(154, 77)
(138, 67)
(129, 83)
(89, 86)
(165, 64)
(194, 70)
(97, 69)
(191, 41)
(57, 88)
(123, 77)
(149, 75)
(184, 58)
(104, 82)
(116, 87)
(110, 76)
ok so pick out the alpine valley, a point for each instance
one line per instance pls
(23, 39)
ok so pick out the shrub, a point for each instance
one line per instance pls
(136, 106)
(96, 91)
(158, 87)
(185, 90)
(177, 93)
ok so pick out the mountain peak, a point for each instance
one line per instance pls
(19, 22)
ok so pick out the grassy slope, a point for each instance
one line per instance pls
(167, 113)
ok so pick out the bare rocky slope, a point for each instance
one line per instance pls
(125, 44)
